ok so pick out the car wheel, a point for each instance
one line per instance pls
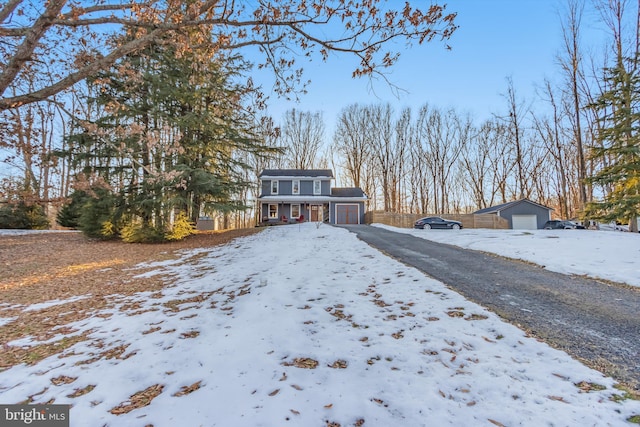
(455, 227)
(426, 227)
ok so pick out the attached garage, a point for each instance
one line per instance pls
(347, 206)
(521, 214)
(347, 213)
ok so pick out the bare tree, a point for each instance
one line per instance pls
(382, 138)
(571, 63)
(351, 142)
(443, 136)
(302, 135)
(502, 161)
(476, 162)
(282, 30)
(516, 113)
(405, 134)
(552, 134)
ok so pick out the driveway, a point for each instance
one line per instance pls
(592, 321)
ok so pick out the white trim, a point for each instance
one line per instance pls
(269, 211)
(277, 183)
(291, 210)
(310, 199)
(318, 181)
(335, 214)
(293, 187)
(289, 177)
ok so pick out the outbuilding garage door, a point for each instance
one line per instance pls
(347, 214)
(524, 222)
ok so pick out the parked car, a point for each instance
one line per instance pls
(558, 224)
(437, 222)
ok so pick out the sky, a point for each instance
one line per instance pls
(496, 39)
(306, 325)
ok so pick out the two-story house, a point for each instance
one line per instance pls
(290, 195)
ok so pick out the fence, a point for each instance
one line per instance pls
(467, 220)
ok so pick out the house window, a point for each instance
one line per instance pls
(273, 211)
(317, 187)
(274, 187)
(295, 188)
(295, 211)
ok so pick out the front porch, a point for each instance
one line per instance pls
(291, 213)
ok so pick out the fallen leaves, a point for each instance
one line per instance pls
(62, 379)
(339, 364)
(138, 400)
(187, 389)
(82, 391)
(303, 363)
(455, 313)
(190, 334)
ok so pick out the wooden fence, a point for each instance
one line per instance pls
(467, 220)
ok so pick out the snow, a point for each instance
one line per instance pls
(609, 255)
(242, 324)
(51, 303)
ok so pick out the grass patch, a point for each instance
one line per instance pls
(627, 394)
(588, 387)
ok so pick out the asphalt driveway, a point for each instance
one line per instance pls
(595, 322)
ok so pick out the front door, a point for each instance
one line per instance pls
(315, 213)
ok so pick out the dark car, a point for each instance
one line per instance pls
(437, 222)
(558, 224)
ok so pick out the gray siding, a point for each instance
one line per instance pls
(285, 187)
(524, 208)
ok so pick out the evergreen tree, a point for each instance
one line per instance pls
(618, 143)
(70, 213)
(174, 121)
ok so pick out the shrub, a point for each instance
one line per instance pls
(135, 232)
(182, 227)
(22, 216)
(97, 216)
(69, 214)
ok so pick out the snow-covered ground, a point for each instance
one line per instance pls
(308, 326)
(610, 255)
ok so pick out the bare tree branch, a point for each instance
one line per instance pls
(282, 28)
(31, 40)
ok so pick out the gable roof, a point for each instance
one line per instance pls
(297, 173)
(499, 208)
(347, 192)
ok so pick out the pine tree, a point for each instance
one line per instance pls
(618, 143)
(168, 139)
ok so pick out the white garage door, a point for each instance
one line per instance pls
(524, 222)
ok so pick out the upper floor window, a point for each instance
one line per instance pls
(295, 186)
(317, 186)
(274, 187)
